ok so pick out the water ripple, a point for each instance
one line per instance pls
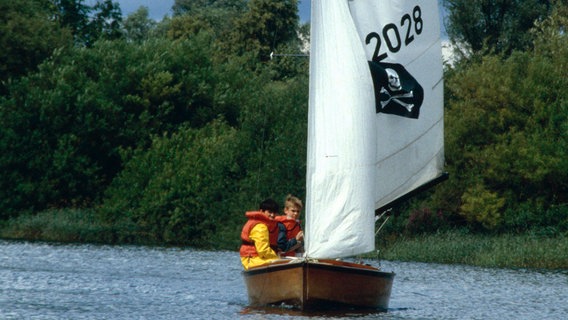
(49, 281)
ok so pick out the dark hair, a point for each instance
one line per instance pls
(269, 205)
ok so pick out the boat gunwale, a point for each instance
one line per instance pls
(352, 268)
(334, 265)
(274, 266)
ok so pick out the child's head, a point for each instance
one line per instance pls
(292, 207)
(269, 207)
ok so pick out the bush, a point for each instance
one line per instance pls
(69, 122)
(506, 137)
(482, 206)
(177, 191)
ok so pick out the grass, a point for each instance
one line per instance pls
(498, 251)
(70, 225)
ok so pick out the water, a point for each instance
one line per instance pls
(46, 281)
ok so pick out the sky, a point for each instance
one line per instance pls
(159, 8)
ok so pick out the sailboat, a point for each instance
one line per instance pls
(375, 137)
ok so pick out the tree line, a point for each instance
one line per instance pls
(169, 130)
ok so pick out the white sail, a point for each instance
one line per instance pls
(367, 145)
(410, 152)
(341, 143)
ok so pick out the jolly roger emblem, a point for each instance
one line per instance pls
(396, 90)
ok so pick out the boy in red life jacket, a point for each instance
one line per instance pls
(293, 230)
(255, 248)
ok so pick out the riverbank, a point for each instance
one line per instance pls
(451, 247)
(494, 251)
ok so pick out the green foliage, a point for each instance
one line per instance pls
(193, 187)
(275, 127)
(107, 20)
(245, 30)
(424, 221)
(70, 120)
(195, 7)
(89, 24)
(481, 206)
(70, 225)
(177, 191)
(498, 26)
(530, 217)
(265, 26)
(90, 111)
(218, 16)
(506, 132)
(186, 26)
(498, 251)
(23, 47)
(75, 122)
(138, 26)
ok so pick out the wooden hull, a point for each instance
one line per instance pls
(317, 284)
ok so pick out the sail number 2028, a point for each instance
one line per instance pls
(410, 26)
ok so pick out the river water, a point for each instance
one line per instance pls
(50, 281)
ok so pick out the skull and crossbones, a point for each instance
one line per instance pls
(394, 80)
(395, 85)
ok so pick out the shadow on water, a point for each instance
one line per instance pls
(328, 312)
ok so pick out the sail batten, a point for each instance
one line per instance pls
(394, 153)
(402, 189)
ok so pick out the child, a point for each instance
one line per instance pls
(293, 245)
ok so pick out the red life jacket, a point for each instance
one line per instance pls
(255, 217)
(292, 226)
(292, 229)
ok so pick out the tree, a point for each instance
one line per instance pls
(138, 25)
(499, 26)
(193, 186)
(266, 25)
(107, 20)
(177, 191)
(506, 133)
(193, 7)
(63, 129)
(215, 15)
(23, 47)
(88, 24)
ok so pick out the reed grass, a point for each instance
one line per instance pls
(499, 251)
(535, 251)
(69, 225)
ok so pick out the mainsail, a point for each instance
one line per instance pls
(375, 124)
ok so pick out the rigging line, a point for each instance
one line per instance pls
(274, 40)
(261, 157)
(272, 55)
(384, 222)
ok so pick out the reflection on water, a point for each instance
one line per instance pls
(46, 281)
(287, 311)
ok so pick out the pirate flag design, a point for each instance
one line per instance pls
(396, 90)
